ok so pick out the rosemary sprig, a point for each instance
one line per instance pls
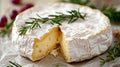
(57, 66)
(112, 54)
(7, 29)
(14, 64)
(83, 2)
(112, 13)
(72, 16)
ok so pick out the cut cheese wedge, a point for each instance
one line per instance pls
(80, 40)
(46, 43)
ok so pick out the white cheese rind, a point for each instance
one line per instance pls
(85, 38)
(82, 49)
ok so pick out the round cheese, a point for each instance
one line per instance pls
(80, 40)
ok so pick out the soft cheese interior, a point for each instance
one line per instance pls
(80, 40)
(46, 43)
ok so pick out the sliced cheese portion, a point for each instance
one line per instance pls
(46, 43)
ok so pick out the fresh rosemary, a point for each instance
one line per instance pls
(112, 54)
(112, 13)
(7, 29)
(72, 16)
(82, 2)
(13, 64)
(57, 66)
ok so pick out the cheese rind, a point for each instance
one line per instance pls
(80, 40)
(82, 49)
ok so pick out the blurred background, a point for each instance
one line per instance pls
(7, 5)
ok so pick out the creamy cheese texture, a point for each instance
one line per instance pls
(80, 40)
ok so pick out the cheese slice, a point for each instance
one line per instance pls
(80, 40)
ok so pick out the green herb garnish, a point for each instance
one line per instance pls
(7, 29)
(112, 54)
(14, 64)
(72, 16)
(82, 2)
(112, 13)
(57, 66)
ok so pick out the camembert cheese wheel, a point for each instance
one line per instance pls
(80, 40)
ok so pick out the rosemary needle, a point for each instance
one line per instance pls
(14, 64)
(112, 13)
(7, 29)
(72, 16)
(112, 54)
